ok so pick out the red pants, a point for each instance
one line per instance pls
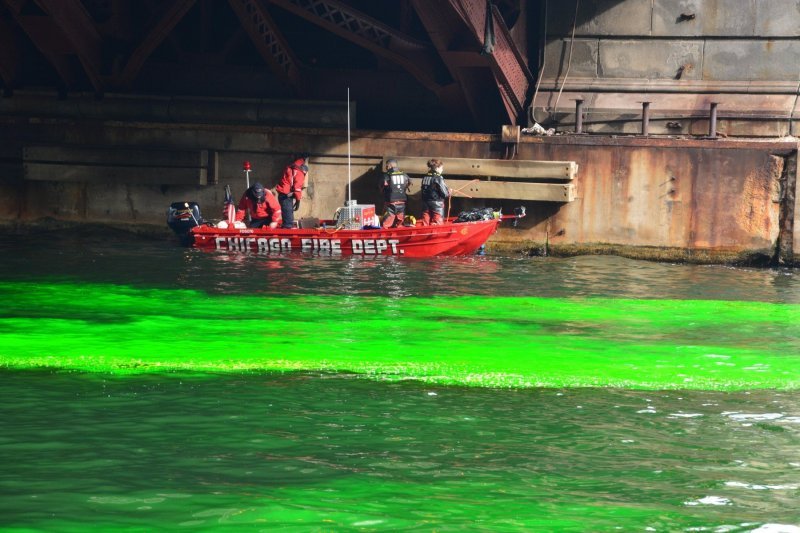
(395, 213)
(427, 220)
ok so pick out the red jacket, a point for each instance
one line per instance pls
(294, 176)
(269, 208)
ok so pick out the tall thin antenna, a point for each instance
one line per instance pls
(349, 197)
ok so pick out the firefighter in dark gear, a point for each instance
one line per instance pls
(434, 193)
(290, 188)
(395, 187)
(262, 206)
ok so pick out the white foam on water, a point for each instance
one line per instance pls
(751, 486)
(709, 500)
(752, 416)
(776, 528)
(685, 415)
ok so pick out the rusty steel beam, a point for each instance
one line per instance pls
(269, 41)
(167, 20)
(79, 29)
(15, 6)
(414, 56)
(442, 26)
(457, 29)
(47, 37)
(507, 63)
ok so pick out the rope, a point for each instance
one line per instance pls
(544, 62)
(569, 59)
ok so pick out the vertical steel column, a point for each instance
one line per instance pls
(645, 118)
(712, 122)
(578, 116)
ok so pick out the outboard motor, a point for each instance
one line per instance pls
(182, 217)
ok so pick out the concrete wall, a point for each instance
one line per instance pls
(739, 53)
(720, 198)
(724, 198)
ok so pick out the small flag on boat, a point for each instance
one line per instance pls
(229, 211)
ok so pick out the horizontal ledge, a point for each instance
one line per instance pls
(135, 157)
(114, 174)
(506, 190)
(642, 85)
(501, 168)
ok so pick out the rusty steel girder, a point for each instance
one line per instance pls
(269, 41)
(464, 22)
(165, 22)
(414, 56)
(47, 37)
(507, 64)
(79, 29)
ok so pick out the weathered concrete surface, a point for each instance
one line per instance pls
(692, 195)
(679, 198)
(669, 18)
(628, 51)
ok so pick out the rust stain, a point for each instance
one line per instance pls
(751, 211)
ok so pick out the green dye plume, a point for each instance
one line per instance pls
(462, 340)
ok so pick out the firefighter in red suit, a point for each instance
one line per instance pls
(262, 205)
(290, 188)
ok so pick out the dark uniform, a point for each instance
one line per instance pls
(395, 187)
(434, 193)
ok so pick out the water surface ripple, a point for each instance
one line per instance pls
(146, 387)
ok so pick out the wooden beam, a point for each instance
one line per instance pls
(512, 190)
(495, 168)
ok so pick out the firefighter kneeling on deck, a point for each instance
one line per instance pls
(434, 193)
(262, 205)
(395, 187)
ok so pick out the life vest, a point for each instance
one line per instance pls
(434, 188)
(395, 185)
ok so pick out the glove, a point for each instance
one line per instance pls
(296, 204)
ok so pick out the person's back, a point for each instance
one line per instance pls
(434, 193)
(395, 186)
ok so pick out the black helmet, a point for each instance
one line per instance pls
(258, 192)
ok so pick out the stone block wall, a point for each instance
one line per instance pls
(679, 55)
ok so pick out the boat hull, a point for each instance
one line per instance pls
(415, 241)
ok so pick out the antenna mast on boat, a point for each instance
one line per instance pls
(349, 197)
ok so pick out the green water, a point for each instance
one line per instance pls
(456, 340)
(146, 387)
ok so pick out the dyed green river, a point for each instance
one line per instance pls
(147, 387)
